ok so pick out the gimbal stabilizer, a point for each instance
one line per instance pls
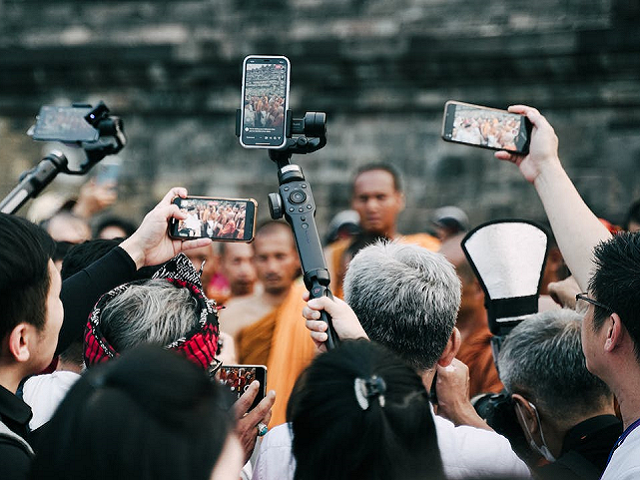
(110, 141)
(295, 202)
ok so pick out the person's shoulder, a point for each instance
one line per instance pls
(15, 458)
(468, 450)
(423, 240)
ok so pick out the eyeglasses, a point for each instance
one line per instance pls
(582, 307)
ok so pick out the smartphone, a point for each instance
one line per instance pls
(108, 172)
(265, 101)
(238, 378)
(486, 127)
(64, 124)
(225, 219)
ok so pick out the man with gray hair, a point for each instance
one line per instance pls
(406, 298)
(566, 412)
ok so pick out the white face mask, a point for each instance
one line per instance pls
(543, 449)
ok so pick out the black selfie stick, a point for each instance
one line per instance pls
(110, 141)
(295, 202)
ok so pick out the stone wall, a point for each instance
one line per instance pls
(381, 70)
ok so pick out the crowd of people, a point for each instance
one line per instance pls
(486, 128)
(113, 349)
(223, 219)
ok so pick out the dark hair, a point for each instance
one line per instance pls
(24, 273)
(112, 221)
(616, 283)
(385, 167)
(334, 437)
(150, 414)
(81, 255)
(633, 214)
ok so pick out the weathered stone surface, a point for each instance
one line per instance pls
(382, 70)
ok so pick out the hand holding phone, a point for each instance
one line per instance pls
(265, 101)
(237, 378)
(223, 219)
(486, 127)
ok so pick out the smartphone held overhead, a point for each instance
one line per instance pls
(486, 127)
(221, 219)
(64, 124)
(265, 101)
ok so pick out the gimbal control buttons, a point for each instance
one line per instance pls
(297, 197)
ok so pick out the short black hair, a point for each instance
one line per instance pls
(113, 221)
(82, 255)
(24, 273)
(616, 283)
(385, 167)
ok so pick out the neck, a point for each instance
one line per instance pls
(274, 298)
(627, 390)
(10, 377)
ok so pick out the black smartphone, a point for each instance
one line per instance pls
(64, 124)
(486, 127)
(225, 219)
(107, 172)
(265, 101)
(238, 378)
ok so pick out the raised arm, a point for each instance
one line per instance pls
(576, 228)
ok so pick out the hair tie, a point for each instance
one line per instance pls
(367, 389)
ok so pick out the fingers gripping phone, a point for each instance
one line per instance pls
(265, 101)
(223, 219)
(238, 378)
(486, 127)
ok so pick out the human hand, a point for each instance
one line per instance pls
(345, 322)
(247, 421)
(452, 390)
(543, 148)
(150, 244)
(94, 198)
(564, 292)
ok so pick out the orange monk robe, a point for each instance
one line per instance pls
(281, 341)
(476, 353)
(335, 254)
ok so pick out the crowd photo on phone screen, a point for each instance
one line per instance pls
(214, 219)
(486, 128)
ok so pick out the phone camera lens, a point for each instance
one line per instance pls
(297, 196)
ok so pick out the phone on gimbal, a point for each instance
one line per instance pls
(265, 101)
(486, 127)
(220, 219)
(64, 124)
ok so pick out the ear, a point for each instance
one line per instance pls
(525, 414)
(19, 340)
(402, 201)
(616, 332)
(451, 350)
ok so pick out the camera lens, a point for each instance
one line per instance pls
(297, 196)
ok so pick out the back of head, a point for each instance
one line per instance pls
(84, 254)
(360, 412)
(152, 311)
(147, 415)
(616, 283)
(24, 273)
(542, 360)
(406, 298)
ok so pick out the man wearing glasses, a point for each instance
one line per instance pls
(608, 269)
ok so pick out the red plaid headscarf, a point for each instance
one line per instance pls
(199, 345)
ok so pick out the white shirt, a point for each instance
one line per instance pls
(625, 461)
(43, 393)
(465, 452)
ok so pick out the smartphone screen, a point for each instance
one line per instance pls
(238, 378)
(64, 124)
(486, 127)
(225, 219)
(265, 101)
(107, 173)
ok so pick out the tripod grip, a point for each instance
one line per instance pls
(318, 291)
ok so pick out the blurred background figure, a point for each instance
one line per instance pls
(449, 221)
(113, 226)
(343, 225)
(236, 265)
